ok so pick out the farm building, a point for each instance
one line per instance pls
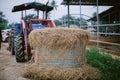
(106, 23)
(109, 20)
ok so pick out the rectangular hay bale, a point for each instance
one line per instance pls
(63, 47)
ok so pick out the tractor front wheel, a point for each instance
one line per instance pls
(19, 49)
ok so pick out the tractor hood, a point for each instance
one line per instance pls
(34, 5)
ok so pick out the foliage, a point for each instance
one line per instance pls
(57, 22)
(109, 68)
(72, 21)
(54, 4)
(83, 21)
(4, 26)
(3, 21)
(94, 14)
(30, 16)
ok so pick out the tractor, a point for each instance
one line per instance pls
(19, 41)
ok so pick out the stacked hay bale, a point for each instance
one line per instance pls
(63, 47)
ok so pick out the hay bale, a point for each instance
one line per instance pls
(63, 47)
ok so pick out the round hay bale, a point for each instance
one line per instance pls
(64, 47)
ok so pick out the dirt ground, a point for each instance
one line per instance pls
(9, 68)
(109, 48)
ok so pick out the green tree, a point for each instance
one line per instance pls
(30, 16)
(3, 21)
(94, 14)
(54, 5)
(58, 23)
(74, 21)
(83, 22)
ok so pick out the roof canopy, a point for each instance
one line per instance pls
(109, 14)
(35, 5)
(92, 2)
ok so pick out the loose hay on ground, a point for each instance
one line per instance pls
(59, 46)
(37, 72)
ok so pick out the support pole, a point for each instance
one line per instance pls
(46, 10)
(80, 12)
(68, 14)
(22, 14)
(38, 14)
(43, 14)
(97, 24)
(25, 13)
(46, 15)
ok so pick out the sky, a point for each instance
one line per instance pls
(7, 5)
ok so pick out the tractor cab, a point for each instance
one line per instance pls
(41, 24)
(19, 41)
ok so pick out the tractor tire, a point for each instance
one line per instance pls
(12, 48)
(19, 49)
(11, 41)
(29, 52)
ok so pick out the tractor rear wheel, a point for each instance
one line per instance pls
(11, 40)
(12, 48)
(29, 52)
(19, 49)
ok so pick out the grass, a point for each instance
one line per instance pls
(109, 68)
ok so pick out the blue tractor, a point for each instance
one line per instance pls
(13, 32)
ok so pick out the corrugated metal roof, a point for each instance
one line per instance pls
(92, 2)
(113, 11)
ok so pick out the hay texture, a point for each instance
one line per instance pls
(63, 47)
(36, 72)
